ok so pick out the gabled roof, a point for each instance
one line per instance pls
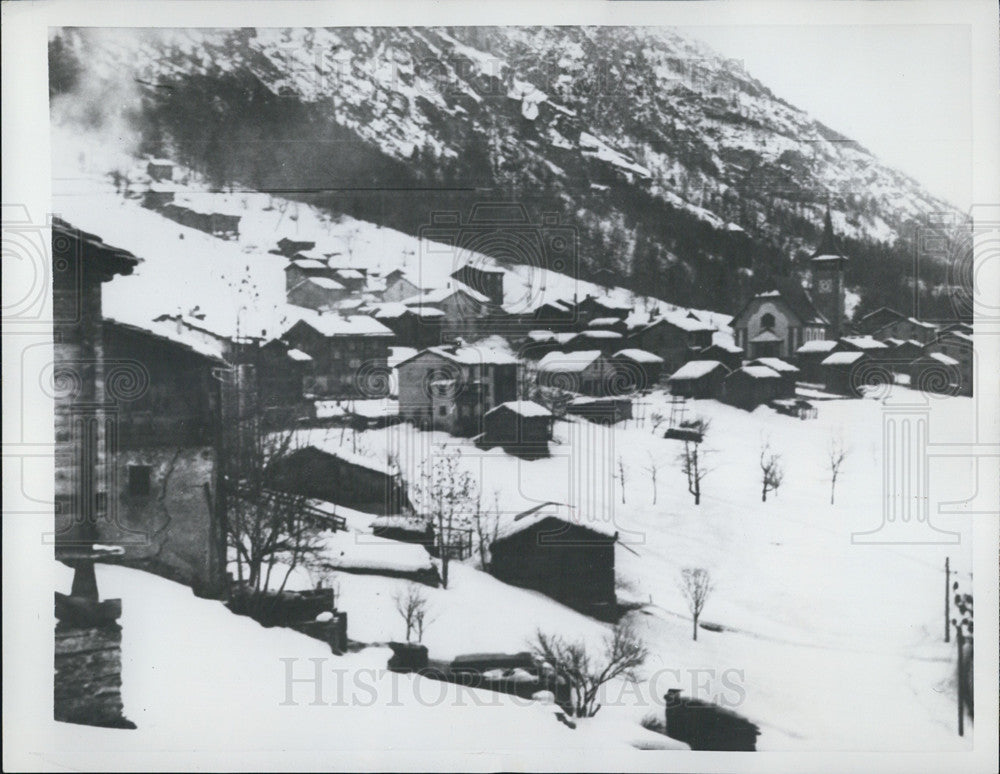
(324, 282)
(438, 295)
(817, 345)
(598, 334)
(843, 358)
(695, 369)
(864, 342)
(568, 362)
(639, 356)
(524, 408)
(939, 357)
(336, 325)
(776, 364)
(558, 511)
(757, 372)
(471, 355)
(105, 260)
(796, 299)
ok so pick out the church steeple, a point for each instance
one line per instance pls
(827, 269)
(828, 243)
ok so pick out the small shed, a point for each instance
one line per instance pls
(936, 372)
(729, 355)
(518, 426)
(552, 549)
(843, 372)
(606, 410)
(588, 372)
(789, 373)
(809, 357)
(161, 170)
(340, 476)
(751, 385)
(636, 370)
(698, 379)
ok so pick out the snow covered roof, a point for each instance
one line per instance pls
(541, 335)
(182, 335)
(682, 321)
(639, 355)
(599, 335)
(817, 345)
(864, 342)
(565, 513)
(922, 324)
(725, 346)
(438, 295)
(325, 282)
(597, 322)
(695, 369)
(843, 358)
(759, 372)
(390, 311)
(298, 354)
(309, 264)
(568, 362)
(361, 551)
(350, 325)
(524, 408)
(765, 337)
(469, 355)
(350, 274)
(942, 358)
(332, 447)
(776, 364)
(960, 335)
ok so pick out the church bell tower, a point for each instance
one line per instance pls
(827, 269)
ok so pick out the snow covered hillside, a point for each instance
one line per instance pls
(805, 614)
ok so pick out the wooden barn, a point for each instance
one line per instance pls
(603, 410)
(877, 320)
(519, 426)
(489, 282)
(789, 373)
(555, 315)
(417, 327)
(551, 549)
(810, 356)
(908, 328)
(751, 385)
(338, 475)
(937, 372)
(587, 372)
(843, 372)
(876, 350)
(675, 337)
(699, 379)
(729, 355)
(957, 344)
(636, 370)
(603, 340)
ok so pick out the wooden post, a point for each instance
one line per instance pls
(961, 681)
(947, 601)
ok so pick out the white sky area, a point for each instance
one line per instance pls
(902, 91)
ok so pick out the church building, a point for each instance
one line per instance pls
(777, 322)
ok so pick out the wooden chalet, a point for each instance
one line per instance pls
(699, 379)
(551, 549)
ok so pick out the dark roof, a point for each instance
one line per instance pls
(69, 242)
(795, 297)
(828, 247)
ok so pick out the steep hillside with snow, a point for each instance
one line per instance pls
(679, 172)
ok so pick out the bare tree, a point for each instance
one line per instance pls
(656, 420)
(621, 476)
(487, 525)
(836, 454)
(267, 530)
(696, 585)
(772, 471)
(411, 605)
(692, 460)
(624, 652)
(449, 495)
(653, 468)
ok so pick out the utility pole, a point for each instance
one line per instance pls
(947, 600)
(959, 637)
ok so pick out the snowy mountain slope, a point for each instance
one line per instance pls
(675, 166)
